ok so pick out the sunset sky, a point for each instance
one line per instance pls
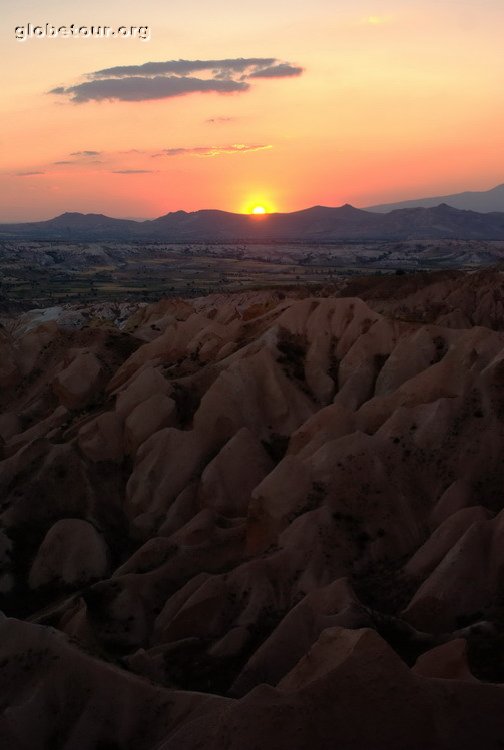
(293, 103)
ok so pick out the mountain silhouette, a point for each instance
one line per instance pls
(316, 224)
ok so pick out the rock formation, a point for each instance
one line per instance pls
(257, 520)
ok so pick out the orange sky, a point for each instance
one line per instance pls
(394, 100)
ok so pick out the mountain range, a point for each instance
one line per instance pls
(484, 201)
(316, 224)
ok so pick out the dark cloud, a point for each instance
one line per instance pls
(72, 161)
(235, 148)
(85, 153)
(185, 67)
(282, 70)
(28, 174)
(163, 80)
(137, 89)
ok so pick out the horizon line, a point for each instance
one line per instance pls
(256, 217)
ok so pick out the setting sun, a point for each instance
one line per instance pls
(258, 204)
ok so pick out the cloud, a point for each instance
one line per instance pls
(219, 120)
(172, 78)
(79, 162)
(184, 67)
(137, 161)
(137, 89)
(235, 148)
(282, 70)
(85, 153)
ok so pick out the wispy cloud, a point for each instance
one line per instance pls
(235, 148)
(219, 120)
(135, 161)
(172, 78)
(85, 153)
(79, 162)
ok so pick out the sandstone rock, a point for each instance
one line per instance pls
(147, 418)
(61, 675)
(228, 481)
(9, 371)
(148, 382)
(79, 381)
(447, 662)
(301, 495)
(72, 552)
(101, 439)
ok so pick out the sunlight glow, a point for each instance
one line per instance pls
(375, 20)
(258, 204)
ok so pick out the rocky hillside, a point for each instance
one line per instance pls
(257, 521)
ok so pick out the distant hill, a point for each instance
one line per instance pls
(484, 201)
(316, 224)
(72, 226)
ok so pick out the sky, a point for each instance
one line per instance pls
(283, 104)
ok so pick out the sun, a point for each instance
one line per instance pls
(258, 203)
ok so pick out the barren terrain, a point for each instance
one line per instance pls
(268, 518)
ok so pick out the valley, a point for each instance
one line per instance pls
(43, 274)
